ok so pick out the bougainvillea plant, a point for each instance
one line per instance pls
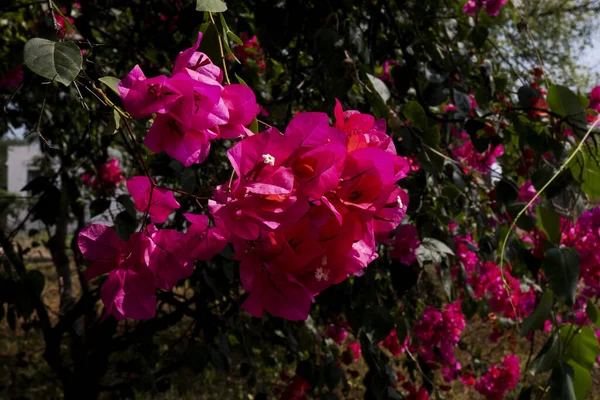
(420, 226)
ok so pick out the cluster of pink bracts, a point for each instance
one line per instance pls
(192, 107)
(303, 212)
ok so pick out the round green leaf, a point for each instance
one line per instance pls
(211, 6)
(55, 61)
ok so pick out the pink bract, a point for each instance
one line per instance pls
(159, 203)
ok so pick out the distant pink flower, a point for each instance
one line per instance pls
(492, 7)
(110, 173)
(12, 78)
(405, 244)
(499, 379)
(159, 203)
(414, 393)
(250, 50)
(337, 333)
(450, 108)
(109, 177)
(391, 343)
(355, 355)
(438, 333)
(385, 75)
(527, 192)
(465, 152)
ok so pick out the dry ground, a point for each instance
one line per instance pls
(25, 375)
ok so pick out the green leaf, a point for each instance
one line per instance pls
(582, 345)
(111, 82)
(561, 267)
(235, 38)
(125, 225)
(527, 94)
(539, 316)
(55, 61)
(98, 206)
(413, 111)
(593, 313)
(525, 222)
(216, 6)
(585, 169)
(431, 136)
(113, 124)
(462, 102)
(380, 87)
(549, 222)
(548, 357)
(564, 102)
(378, 323)
(561, 383)
(127, 203)
(254, 126)
(582, 380)
(240, 80)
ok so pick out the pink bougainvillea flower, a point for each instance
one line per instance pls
(527, 192)
(352, 353)
(110, 173)
(450, 108)
(362, 130)
(405, 244)
(129, 293)
(129, 289)
(144, 96)
(159, 203)
(198, 62)
(414, 393)
(337, 333)
(276, 292)
(438, 333)
(595, 99)
(466, 153)
(305, 207)
(201, 241)
(499, 379)
(296, 389)
(168, 258)
(241, 104)
(393, 345)
(492, 7)
(12, 78)
(186, 146)
(102, 245)
(250, 50)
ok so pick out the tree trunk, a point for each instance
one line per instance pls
(58, 249)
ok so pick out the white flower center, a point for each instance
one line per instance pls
(322, 274)
(268, 159)
(400, 203)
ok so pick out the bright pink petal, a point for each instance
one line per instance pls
(129, 294)
(99, 243)
(241, 103)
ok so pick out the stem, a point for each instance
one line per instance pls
(220, 48)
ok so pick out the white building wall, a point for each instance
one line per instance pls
(20, 160)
